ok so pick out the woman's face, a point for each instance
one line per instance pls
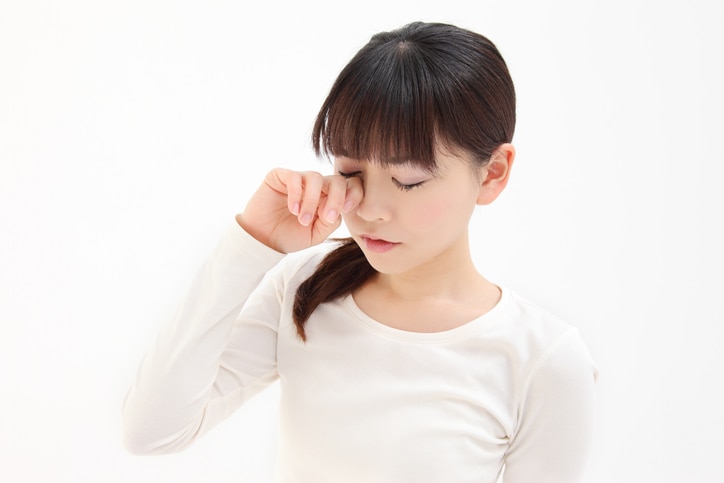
(409, 219)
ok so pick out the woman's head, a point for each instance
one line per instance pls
(426, 95)
(415, 90)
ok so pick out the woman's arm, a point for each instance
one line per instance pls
(205, 364)
(190, 380)
(556, 417)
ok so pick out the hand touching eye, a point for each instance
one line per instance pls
(294, 210)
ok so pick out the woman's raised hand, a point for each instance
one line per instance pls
(294, 210)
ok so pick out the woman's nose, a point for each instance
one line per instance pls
(375, 206)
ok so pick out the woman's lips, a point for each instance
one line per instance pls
(378, 245)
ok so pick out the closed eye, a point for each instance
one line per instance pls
(349, 175)
(402, 186)
(407, 187)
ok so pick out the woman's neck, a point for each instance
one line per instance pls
(430, 298)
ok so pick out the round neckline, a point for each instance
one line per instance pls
(450, 335)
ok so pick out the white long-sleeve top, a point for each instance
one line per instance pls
(361, 401)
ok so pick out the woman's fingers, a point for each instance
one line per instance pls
(303, 191)
(312, 184)
(353, 194)
(311, 196)
(335, 188)
(293, 182)
(343, 195)
(294, 210)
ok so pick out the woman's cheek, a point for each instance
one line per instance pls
(432, 214)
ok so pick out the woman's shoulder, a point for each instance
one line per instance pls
(296, 267)
(518, 313)
(536, 333)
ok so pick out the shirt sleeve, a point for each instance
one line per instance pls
(556, 421)
(192, 378)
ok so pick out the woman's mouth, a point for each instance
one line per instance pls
(377, 244)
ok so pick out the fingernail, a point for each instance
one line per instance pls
(295, 209)
(348, 206)
(331, 216)
(305, 219)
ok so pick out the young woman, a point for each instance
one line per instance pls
(398, 361)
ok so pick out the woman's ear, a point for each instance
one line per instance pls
(496, 173)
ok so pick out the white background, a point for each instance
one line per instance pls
(131, 133)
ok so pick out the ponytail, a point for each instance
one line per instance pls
(343, 270)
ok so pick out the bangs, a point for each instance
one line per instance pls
(381, 109)
(412, 91)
